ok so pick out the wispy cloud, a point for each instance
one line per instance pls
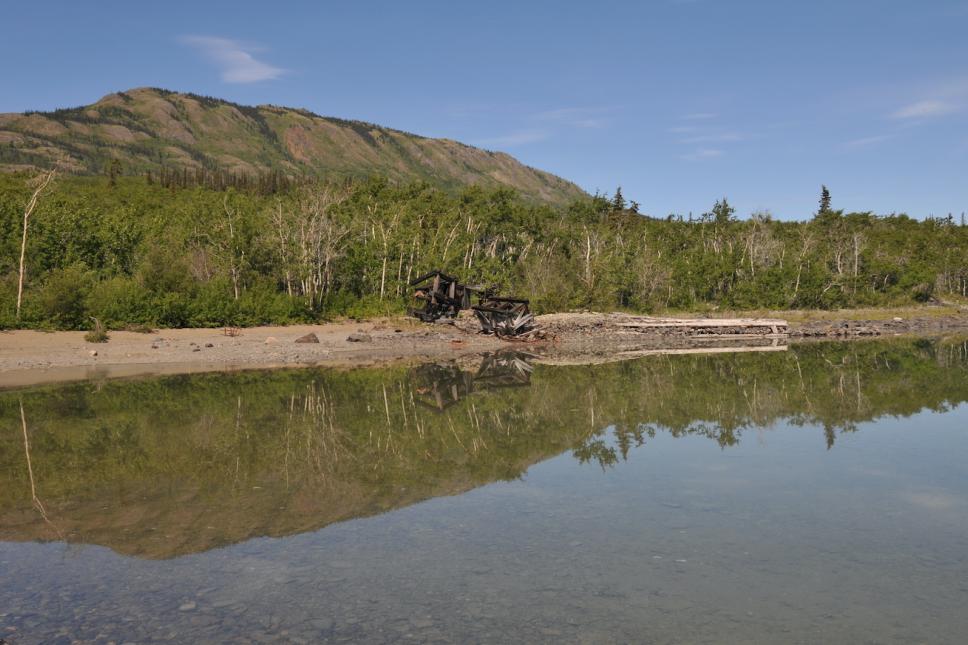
(519, 138)
(234, 59)
(864, 142)
(698, 116)
(578, 117)
(703, 154)
(926, 109)
(716, 137)
(533, 127)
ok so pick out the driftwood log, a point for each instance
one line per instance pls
(713, 327)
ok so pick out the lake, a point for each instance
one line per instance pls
(818, 494)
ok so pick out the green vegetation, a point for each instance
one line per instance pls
(137, 253)
(217, 458)
(97, 334)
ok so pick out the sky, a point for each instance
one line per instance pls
(679, 102)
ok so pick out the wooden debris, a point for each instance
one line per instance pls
(699, 327)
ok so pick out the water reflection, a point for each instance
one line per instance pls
(164, 467)
(440, 385)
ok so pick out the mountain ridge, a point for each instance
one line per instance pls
(149, 129)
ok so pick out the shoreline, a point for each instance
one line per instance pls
(30, 358)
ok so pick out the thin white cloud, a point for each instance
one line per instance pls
(933, 500)
(925, 109)
(234, 59)
(719, 137)
(519, 138)
(698, 116)
(864, 142)
(703, 154)
(576, 117)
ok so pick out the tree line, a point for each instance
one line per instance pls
(186, 251)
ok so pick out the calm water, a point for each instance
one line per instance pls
(814, 495)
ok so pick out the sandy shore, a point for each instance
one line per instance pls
(32, 357)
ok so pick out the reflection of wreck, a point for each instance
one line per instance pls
(440, 385)
(444, 296)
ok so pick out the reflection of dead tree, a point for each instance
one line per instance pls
(30, 474)
(31, 205)
(326, 448)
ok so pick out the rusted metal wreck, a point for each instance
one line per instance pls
(444, 296)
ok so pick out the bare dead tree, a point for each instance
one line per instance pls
(44, 181)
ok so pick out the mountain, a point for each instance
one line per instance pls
(148, 129)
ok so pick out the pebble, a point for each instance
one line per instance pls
(188, 606)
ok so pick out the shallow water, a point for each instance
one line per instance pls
(813, 495)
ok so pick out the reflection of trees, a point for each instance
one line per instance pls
(276, 452)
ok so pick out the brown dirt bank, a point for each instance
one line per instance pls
(31, 357)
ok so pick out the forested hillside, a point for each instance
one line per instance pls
(189, 139)
(131, 251)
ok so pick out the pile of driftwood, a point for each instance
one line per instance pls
(444, 296)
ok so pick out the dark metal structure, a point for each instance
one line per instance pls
(504, 316)
(443, 296)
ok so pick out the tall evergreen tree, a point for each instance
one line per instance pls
(618, 202)
(824, 200)
(723, 212)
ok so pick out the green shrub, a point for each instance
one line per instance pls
(214, 306)
(119, 301)
(262, 304)
(62, 299)
(171, 310)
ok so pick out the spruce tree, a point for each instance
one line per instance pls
(824, 200)
(723, 212)
(618, 202)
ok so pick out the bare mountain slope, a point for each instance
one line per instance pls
(147, 129)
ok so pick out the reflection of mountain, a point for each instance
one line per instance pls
(164, 467)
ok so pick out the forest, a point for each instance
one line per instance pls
(171, 252)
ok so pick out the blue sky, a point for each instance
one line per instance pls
(678, 101)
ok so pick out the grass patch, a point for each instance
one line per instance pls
(97, 335)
